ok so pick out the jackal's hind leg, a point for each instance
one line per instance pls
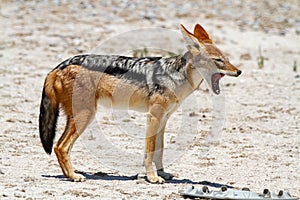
(57, 152)
(64, 145)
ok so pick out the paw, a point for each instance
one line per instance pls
(165, 175)
(155, 179)
(77, 177)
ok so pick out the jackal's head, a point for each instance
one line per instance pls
(206, 58)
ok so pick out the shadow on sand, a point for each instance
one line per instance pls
(116, 177)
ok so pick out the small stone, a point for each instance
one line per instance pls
(245, 56)
(193, 114)
(19, 194)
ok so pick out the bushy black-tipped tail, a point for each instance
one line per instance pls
(49, 112)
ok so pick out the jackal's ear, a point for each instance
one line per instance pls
(189, 38)
(201, 34)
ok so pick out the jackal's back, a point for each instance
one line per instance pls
(154, 73)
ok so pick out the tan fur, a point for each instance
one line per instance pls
(64, 86)
(78, 90)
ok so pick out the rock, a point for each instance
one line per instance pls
(245, 56)
(19, 194)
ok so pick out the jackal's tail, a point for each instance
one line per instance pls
(49, 111)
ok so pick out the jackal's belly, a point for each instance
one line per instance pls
(126, 98)
(122, 105)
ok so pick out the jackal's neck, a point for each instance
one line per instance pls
(185, 78)
(192, 74)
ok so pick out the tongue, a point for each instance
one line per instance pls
(218, 76)
(215, 82)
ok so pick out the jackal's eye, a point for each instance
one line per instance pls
(218, 60)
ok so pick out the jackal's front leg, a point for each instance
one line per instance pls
(154, 121)
(159, 149)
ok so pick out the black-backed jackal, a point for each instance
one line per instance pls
(155, 85)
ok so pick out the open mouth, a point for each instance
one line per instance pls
(215, 78)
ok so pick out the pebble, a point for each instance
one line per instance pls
(19, 194)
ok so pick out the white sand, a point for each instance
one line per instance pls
(259, 144)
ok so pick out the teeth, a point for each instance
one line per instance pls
(216, 86)
(215, 82)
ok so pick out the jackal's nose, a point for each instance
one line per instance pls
(238, 72)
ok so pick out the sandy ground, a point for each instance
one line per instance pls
(253, 141)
